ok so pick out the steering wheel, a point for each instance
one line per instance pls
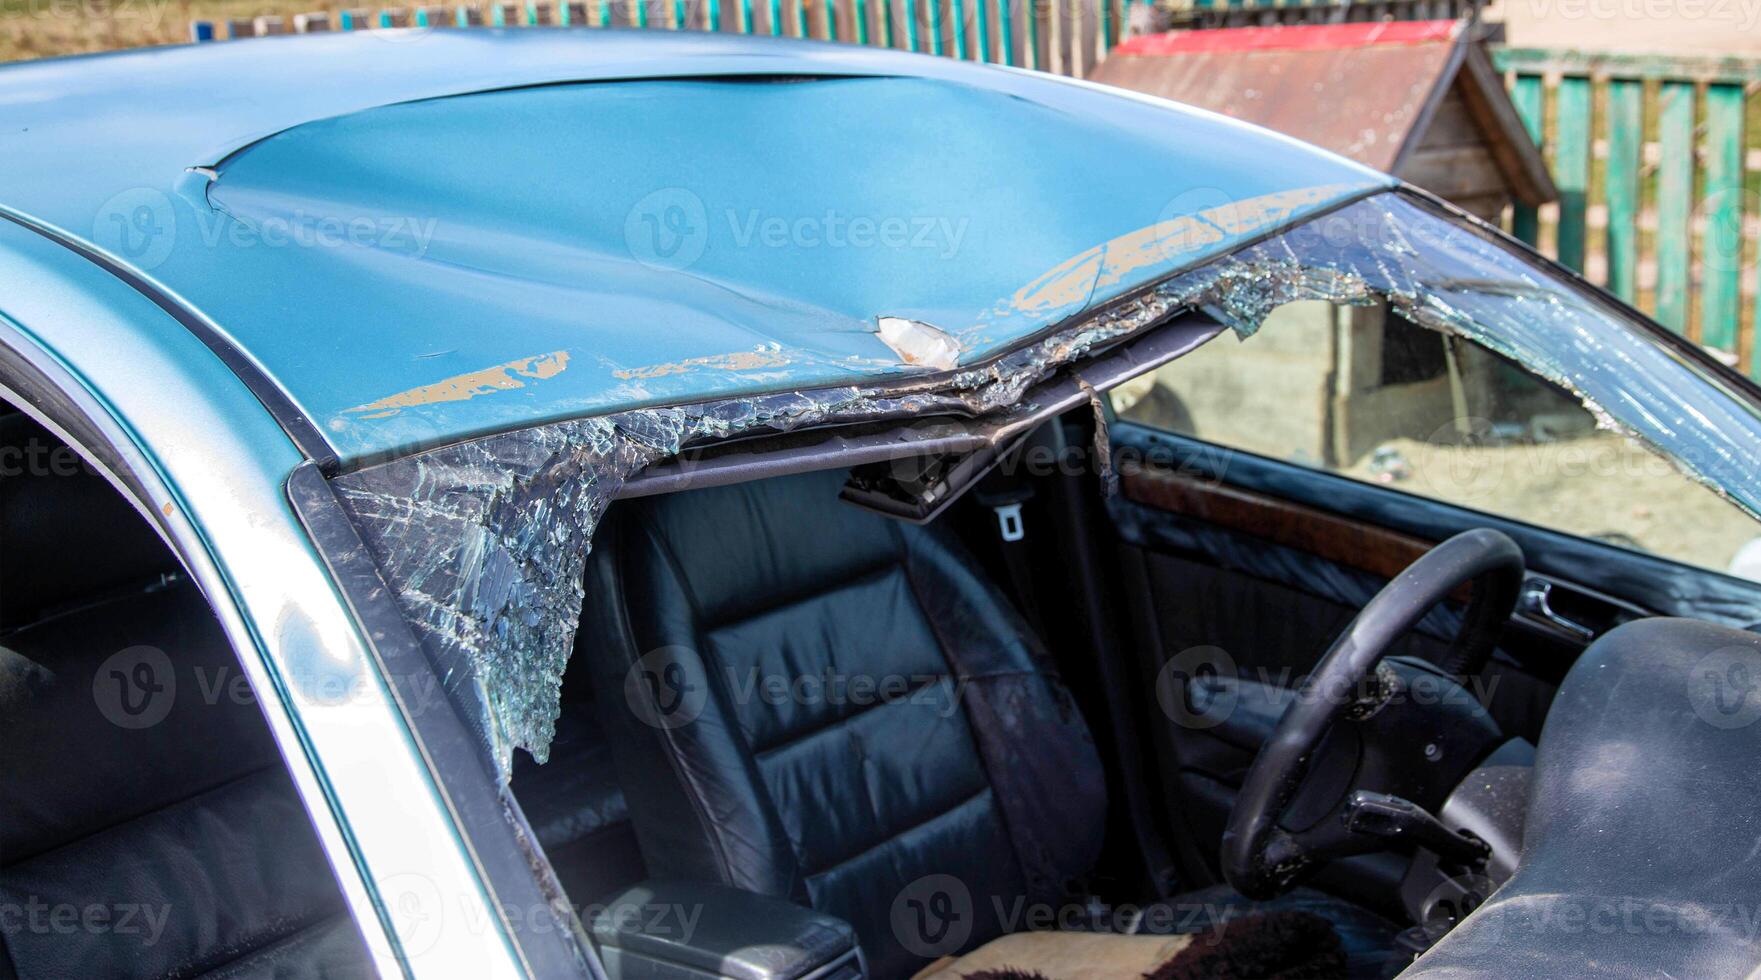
(1261, 859)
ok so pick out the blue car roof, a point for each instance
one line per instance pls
(423, 236)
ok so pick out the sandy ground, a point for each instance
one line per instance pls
(1601, 486)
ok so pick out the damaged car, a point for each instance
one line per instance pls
(604, 504)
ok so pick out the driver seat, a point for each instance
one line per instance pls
(811, 701)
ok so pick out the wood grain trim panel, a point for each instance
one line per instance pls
(1342, 540)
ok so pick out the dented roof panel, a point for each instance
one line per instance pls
(416, 273)
(483, 542)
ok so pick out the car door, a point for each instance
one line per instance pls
(1271, 485)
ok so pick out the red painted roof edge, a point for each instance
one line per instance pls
(1294, 37)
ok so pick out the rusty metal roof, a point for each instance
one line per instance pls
(1342, 87)
(1366, 91)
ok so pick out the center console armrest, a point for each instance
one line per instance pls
(688, 930)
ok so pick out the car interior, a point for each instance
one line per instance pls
(148, 826)
(1092, 661)
(1067, 726)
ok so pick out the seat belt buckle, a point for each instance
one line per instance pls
(1009, 521)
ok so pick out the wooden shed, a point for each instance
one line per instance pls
(1417, 99)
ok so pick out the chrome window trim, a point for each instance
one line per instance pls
(503, 848)
(371, 799)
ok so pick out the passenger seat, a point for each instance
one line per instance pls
(574, 803)
(979, 765)
(973, 789)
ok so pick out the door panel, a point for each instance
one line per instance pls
(1342, 540)
(1268, 562)
(1275, 478)
(1644, 581)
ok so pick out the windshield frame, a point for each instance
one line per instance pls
(1148, 310)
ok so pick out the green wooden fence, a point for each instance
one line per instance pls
(1658, 164)
(1657, 159)
(1064, 36)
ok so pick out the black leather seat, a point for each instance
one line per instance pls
(576, 807)
(950, 749)
(148, 827)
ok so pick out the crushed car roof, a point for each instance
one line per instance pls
(424, 236)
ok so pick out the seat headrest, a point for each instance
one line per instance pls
(65, 533)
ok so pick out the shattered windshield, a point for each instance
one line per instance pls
(1447, 276)
(484, 543)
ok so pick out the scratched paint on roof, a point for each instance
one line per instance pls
(1173, 239)
(462, 387)
(771, 356)
(1101, 269)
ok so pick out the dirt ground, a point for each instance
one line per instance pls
(46, 28)
(1603, 486)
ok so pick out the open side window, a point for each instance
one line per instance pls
(148, 826)
(1363, 392)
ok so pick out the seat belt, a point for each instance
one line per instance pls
(1005, 496)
